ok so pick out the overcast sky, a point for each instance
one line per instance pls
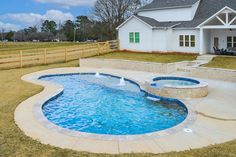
(18, 14)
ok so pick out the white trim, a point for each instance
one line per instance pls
(219, 27)
(232, 20)
(226, 7)
(220, 20)
(227, 18)
(133, 16)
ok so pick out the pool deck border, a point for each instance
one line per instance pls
(30, 118)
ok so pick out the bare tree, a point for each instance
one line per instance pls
(113, 12)
(145, 2)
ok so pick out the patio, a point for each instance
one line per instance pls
(211, 120)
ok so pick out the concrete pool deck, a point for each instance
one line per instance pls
(212, 119)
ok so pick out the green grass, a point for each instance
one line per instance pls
(149, 57)
(222, 62)
(14, 143)
(13, 48)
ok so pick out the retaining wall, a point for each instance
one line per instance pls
(164, 68)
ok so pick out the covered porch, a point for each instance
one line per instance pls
(219, 32)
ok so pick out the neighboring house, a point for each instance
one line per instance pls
(190, 26)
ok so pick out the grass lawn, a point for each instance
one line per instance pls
(149, 57)
(14, 143)
(222, 62)
(12, 48)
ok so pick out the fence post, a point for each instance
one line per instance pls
(98, 49)
(66, 55)
(118, 44)
(21, 60)
(108, 46)
(45, 56)
(82, 56)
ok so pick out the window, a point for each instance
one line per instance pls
(192, 40)
(137, 39)
(186, 40)
(131, 37)
(229, 42)
(134, 37)
(181, 40)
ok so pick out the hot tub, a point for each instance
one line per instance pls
(177, 87)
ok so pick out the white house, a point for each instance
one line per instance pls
(189, 26)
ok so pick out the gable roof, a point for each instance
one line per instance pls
(163, 4)
(150, 22)
(206, 9)
(136, 17)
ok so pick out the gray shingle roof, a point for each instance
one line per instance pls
(152, 22)
(206, 9)
(159, 4)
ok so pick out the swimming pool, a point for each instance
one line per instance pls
(104, 104)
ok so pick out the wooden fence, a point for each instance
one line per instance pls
(33, 57)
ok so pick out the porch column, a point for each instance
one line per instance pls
(202, 49)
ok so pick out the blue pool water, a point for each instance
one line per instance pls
(99, 105)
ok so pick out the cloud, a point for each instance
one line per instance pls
(9, 26)
(69, 3)
(58, 16)
(33, 19)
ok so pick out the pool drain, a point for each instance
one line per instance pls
(187, 130)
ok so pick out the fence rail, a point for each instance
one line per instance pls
(54, 55)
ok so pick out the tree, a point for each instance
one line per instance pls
(10, 36)
(113, 12)
(84, 26)
(68, 29)
(49, 26)
(145, 2)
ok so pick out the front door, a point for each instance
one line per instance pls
(216, 42)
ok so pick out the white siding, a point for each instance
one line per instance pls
(173, 42)
(179, 14)
(194, 8)
(135, 25)
(159, 41)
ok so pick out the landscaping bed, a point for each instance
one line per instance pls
(150, 57)
(223, 62)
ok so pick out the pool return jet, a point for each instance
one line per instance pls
(97, 75)
(122, 82)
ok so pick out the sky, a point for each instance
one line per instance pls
(19, 14)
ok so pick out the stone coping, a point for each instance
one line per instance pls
(30, 119)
